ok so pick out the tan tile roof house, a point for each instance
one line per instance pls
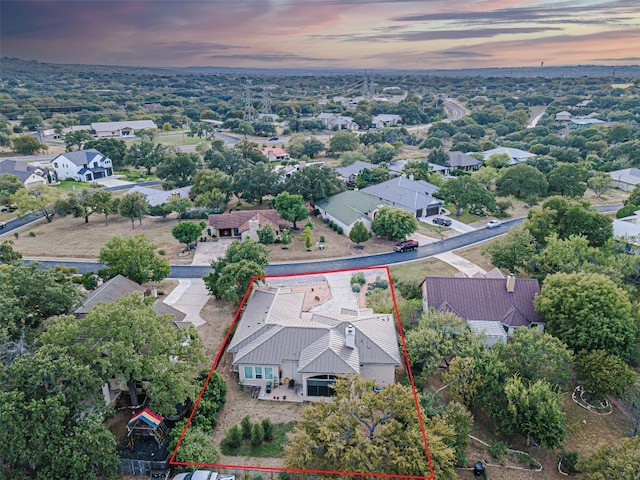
(276, 342)
(238, 222)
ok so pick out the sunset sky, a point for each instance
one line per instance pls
(413, 34)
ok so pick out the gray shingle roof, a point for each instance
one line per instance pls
(353, 169)
(405, 193)
(110, 291)
(81, 157)
(350, 205)
(113, 126)
(158, 197)
(484, 299)
(20, 169)
(630, 176)
(329, 354)
(461, 160)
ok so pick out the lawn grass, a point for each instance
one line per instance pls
(474, 254)
(411, 272)
(73, 186)
(465, 217)
(274, 448)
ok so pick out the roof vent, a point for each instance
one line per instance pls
(511, 283)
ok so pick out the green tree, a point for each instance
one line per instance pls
(383, 153)
(133, 205)
(604, 373)
(393, 223)
(464, 380)
(233, 437)
(362, 430)
(621, 460)
(180, 205)
(343, 142)
(146, 154)
(40, 199)
(187, 232)
(32, 120)
(588, 311)
(113, 148)
(197, 445)
(8, 255)
(133, 257)
(536, 411)
(29, 295)
(372, 176)
(128, 339)
(466, 193)
(214, 201)
(266, 234)
(255, 181)
(512, 251)
(233, 272)
(291, 207)
(27, 144)
(9, 184)
(568, 180)
(77, 139)
(600, 182)
(311, 147)
(522, 181)
(257, 433)
(212, 180)
(246, 424)
(314, 183)
(52, 424)
(419, 170)
(178, 169)
(307, 236)
(359, 233)
(267, 427)
(438, 156)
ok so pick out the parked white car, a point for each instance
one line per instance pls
(197, 475)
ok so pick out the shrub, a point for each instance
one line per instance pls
(340, 230)
(89, 280)
(498, 450)
(355, 287)
(309, 224)
(358, 278)
(267, 426)
(322, 239)
(257, 433)
(233, 437)
(162, 251)
(16, 234)
(32, 233)
(334, 227)
(569, 461)
(246, 425)
(331, 224)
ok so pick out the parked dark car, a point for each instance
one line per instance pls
(273, 139)
(406, 245)
(445, 222)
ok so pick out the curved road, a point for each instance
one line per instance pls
(350, 263)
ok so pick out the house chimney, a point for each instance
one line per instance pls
(511, 283)
(350, 337)
(411, 177)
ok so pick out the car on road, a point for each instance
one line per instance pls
(273, 139)
(406, 245)
(493, 223)
(2, 225)
(197, 475)
(445, 222)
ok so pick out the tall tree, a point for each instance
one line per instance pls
(291, 207)
(27, 144)
(568, 180)
(133, 205)
(128, 339)
(9, 184)
(620, 460)
(208, 180)
(178, 169)
(187, 232)
(315, 183)
(513, 251)
(604, 373)
(588, 311)
(52, 419)
(133, 257)
(600, 182)
(466, 193)
(522, 181)
(393, 223)
(363, 430)
(419, 170)
(359, 233)
(146, 154)
(343, 142)
(255, 181)
(40, 198)
(77, 139)
(232, 273)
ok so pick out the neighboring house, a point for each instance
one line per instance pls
(242, 223)
(625, 179)
(563, 116)
(627, 230)
(413, 196)
(350, 172)
(29, 175)
(346, 208)
(462, 161)
(285, 171)
(275, 341)
(385, 120)
(82, 166)
(275, 154)
(587, 122)
(122, 129)
(157, 197)
(333, 121)
(397, 166)
(487, 304)
(516, 155)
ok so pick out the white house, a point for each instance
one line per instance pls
(385, 120)
(332, 121)
(29, 175)
(157, 197)
(83, 165)
(122, 129)
(276, 343)
(515, 154)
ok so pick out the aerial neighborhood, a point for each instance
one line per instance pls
(210, 274)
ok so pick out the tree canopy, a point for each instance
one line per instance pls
(315, 183)
(466, 193)
(133, 257)
(393, 223)
(291, 207)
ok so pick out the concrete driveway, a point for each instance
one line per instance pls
(189, 297)
(455, 224)
(113, 182)
(207, 251)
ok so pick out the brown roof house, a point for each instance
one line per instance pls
(242, 223)
(276, 343)
(493, 306)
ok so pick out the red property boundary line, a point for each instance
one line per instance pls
(254, 279)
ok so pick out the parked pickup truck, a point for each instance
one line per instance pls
(406, 245)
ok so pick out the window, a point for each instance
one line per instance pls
(268, 373)
(319, 386)
(258, 372)
(248, 372)
(55, 165)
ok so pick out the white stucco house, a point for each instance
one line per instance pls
(82, 166)
(276, 343)
(385, 120)
(126, 128)
(29, 175)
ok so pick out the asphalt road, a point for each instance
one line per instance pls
(350, 263)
